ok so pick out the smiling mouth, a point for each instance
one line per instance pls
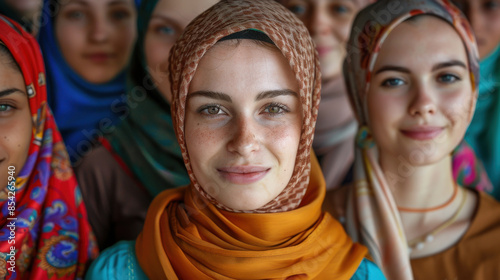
(423, 134)
(243, 175)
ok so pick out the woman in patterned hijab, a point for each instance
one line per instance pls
(412, 75)
(245, 87)
(44, 230)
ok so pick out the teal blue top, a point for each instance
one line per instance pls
(483, 133)
(119, 262)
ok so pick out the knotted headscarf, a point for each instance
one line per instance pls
(373, 217)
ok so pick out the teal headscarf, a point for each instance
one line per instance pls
(145, 140)
(483, 133)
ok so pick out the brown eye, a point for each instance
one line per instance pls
(213, 110)
(276, 109)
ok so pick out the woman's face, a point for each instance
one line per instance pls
(329, 22)
(420, 96)
(243, 123)
(484, 16)
(168, 21)
(96, 37)
(15, 119)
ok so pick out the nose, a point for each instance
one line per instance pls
(319, 23)
(422, 103)
(244, 139)
(99, 29)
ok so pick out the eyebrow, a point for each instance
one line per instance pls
(224, 97)
(9, 91)
(392, 68)
(450, 63)
(275, 93)
(446, 64)
(210, 94)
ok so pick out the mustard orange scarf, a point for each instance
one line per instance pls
(187, 237)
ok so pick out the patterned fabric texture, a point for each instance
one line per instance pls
(53, 239)
(291, 37)
(372, 215)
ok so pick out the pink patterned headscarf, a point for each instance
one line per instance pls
(291, 37)
(372, 215)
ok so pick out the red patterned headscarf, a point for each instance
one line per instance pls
(51, 238)
(292, 38)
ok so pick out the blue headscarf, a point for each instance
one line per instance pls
(83, 111)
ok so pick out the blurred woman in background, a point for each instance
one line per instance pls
(86, 46)
(329, 22)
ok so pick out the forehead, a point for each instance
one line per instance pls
(182, 10)
(243, 65)
(419, 37)
(243, 50)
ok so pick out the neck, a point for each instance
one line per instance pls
(419, 186)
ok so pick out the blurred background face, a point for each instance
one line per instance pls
(484, 16)
(168, 21)
(329, 22)
(96, 36)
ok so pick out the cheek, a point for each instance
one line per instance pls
(383, 122)
(458, 109)
(70, 39)
(125, 39)
(343, 30)
(16, 139)
(283, 142)
(202, 142)
(157, 54)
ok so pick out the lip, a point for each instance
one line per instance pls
(243, 175)
(422, 132)
(323, 50)
(98, 57)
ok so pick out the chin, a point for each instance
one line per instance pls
(99, 79)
